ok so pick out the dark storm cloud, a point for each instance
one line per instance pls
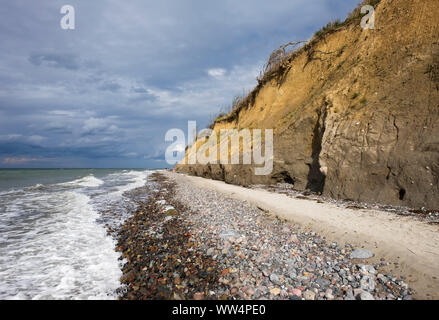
(105, 93)
(139, 90)
(67, 61)
(110, 86)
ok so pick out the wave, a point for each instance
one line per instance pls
(138, 179)
(67, 255)
(88, 181)
(9, 192)
(54, 245)
(36, 187)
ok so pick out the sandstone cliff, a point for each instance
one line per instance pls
(355, 112)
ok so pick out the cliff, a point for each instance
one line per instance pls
(355, 112)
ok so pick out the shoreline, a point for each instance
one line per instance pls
(159, 253)
(188, 240)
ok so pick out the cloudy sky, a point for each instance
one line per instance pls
(104, 94)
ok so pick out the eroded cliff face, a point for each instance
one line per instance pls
(355, 115)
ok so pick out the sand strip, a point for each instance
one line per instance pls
(412, 244)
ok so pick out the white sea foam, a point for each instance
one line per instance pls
(88, 181)
(138, 179)
(8, 192)
(67, 255)
(52, 245)
(35, 187)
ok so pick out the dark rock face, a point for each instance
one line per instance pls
(396, 161)
(316, 178)
(355, 116)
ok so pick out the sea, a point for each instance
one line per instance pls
(53, 241)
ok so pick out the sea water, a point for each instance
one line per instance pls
(52, 242)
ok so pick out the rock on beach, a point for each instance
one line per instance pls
(361, 254)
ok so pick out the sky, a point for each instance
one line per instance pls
(104, 94)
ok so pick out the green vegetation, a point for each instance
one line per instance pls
(363, 100)
(330, 27)
(354, 16)
(355, 95)
(231, 111)
(280, 60)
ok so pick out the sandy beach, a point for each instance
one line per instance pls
(410, 243)
(194, 238)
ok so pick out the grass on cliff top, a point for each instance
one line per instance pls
(225, 112)
(280, 59)
(354, 16)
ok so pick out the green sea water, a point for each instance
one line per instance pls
(20, 178)
(53, 239)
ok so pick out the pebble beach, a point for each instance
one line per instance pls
(186, 242)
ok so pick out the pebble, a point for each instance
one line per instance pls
(382, 278)
(249, 291)
(328, 294)
(367, 283)
(323, 283)
(199, 296)
(366, 296)
(275, 279)
(296, 292)
(366, 269)
(234, 250)
(309, 295)
(275, 291)
(349, 295)
(361, 254)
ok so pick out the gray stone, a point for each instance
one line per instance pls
(329, 295)
(227, 234)
(275, 279)
(357, 292)
(367, 283)
(361, 254)
(349, 295)
(309, 295)
(291, 263)
(366, 269)
(292, 274)
(366, 296)
(323, 283)
(382, 278)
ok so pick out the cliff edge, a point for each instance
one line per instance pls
(355, 111)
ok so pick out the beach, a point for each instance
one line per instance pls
(158, 234)
(195, 238)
